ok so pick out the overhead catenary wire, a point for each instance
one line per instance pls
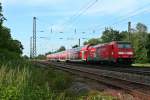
(78, 12)
(88, 7)
(74, 18)
(124, 19)
(43, 23)
(131, 14)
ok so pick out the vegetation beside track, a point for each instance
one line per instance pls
(141, 65)
(21, 80)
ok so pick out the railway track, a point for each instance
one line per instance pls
(137, 85)
(125, 69)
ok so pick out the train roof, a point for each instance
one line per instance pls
(100, 45)
(103, 44)
(123, 42)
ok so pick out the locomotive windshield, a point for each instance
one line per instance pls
(124, 45)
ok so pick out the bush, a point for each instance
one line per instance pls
(22, 80)
(7, 55)
(12, 82)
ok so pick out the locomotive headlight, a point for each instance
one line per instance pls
(129, 53)
(121, 53)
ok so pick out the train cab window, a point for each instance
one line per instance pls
(120, 46)
(128, 46)
(124, 45)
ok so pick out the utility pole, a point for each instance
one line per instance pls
(129, 31)
(31, 49)
(79, 42)
(113, 36)
(51, 30)
(93, 31)
(34, 37)
(75, 31)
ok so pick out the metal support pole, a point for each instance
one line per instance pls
(129, 31)
(31, 49)
(75, 31)
(79, 42)
(34, 36)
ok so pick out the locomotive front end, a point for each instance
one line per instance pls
(125, 52)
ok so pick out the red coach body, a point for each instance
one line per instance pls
(116, 52)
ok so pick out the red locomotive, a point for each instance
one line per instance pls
(115, 52)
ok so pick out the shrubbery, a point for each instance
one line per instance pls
(21, 80)
(24, 81)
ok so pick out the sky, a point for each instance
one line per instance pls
(57, 20)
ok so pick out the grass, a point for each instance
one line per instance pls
(20, 80)
(95, 95)
(141, 65)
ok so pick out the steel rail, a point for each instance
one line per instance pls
(133, 70)
(101, 76)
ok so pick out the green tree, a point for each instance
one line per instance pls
(124, 36)
(148, 47)
(140, 42)
(6, 42)
(25, 57)
(111, 35)
(141, 52)
(75, 46)
(62, 48)
(5, 37)
(16, 46)
(9, 48)
(41, 57)
(2, 18)
(141, 28)
(93, 41)
(48, 53)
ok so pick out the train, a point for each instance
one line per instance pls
(112, 52)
